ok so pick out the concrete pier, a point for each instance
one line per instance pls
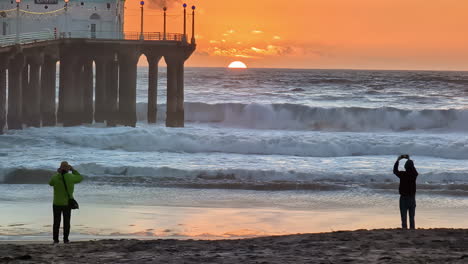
(25, 98)
(180, 112)
(61, 91)
(34, 103)
(88, 86)
(171, 104)
(100, 90)
(3, 98)
(127, 87)
(153, 61)
(48, 76)
(72, 91)
(175, 92)
(15, 92)
(112, 93)
(107, 94)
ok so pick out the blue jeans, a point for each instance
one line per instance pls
(407, 205)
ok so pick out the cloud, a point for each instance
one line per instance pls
(244, 45)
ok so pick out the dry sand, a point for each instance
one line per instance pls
(362, 246)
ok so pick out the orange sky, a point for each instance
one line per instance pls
(356, 34)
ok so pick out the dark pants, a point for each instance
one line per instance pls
(407, 205)
(58, 211)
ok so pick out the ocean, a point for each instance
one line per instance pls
(296, 143)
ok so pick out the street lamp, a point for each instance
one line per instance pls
(193, 25)
(18, 21)
(66, 18)
(164, 34)
(184, 37)
(142, 3)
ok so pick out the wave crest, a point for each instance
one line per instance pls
(303, 117)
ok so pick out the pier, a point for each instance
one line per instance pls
(97, 77)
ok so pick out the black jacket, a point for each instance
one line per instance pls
(407, 180)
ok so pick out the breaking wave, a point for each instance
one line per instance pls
(267, 180)
(303, 117)
(309, 144)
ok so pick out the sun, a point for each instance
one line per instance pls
(237, 65)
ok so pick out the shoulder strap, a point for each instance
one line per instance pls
(65, 184)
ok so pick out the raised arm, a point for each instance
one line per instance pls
(395, 168)
(77, 177)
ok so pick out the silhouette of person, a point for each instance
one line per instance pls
(407, 190)
(62, 194)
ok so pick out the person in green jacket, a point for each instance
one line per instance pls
(60, 205)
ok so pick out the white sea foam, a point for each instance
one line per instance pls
(291, 143)
(302, 117)
(447, 181)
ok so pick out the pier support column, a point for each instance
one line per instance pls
(72, 102)
(48, 76)
(87, 84)
(25, 94)
(112, 92)
(61, 92)
(2, 98)
(175, 92)
(153, 62)
(33, 117)
(127, 88)
(100, 91)
(15, 100)
(171, 104)
(180, 112)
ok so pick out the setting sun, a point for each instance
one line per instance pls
(237, 65)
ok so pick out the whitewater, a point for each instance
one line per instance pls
(259, 126)
(264, 133)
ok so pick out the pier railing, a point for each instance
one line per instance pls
(32, 37)
(25, 38)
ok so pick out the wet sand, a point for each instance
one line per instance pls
(361, 246)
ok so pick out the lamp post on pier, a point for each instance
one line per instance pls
(184, 37)
(142, 3)
(193, 25)
(17, 39)
(164, 34)
(67, 31)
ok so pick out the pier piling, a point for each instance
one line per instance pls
(127, 88)
(34, 103)
(48, 76)
(112, 92)
(88, 88)
(28, 82)
(2, 99)
(153, 61)
(15, 100)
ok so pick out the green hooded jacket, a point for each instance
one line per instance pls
(60, 195)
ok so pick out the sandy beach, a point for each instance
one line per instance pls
(361, 246)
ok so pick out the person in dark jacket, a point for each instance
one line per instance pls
(62, 195)
(407, 190)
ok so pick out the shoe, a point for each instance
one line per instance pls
(66, 241)
(56, 242)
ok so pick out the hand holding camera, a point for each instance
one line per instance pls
(405, 156)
